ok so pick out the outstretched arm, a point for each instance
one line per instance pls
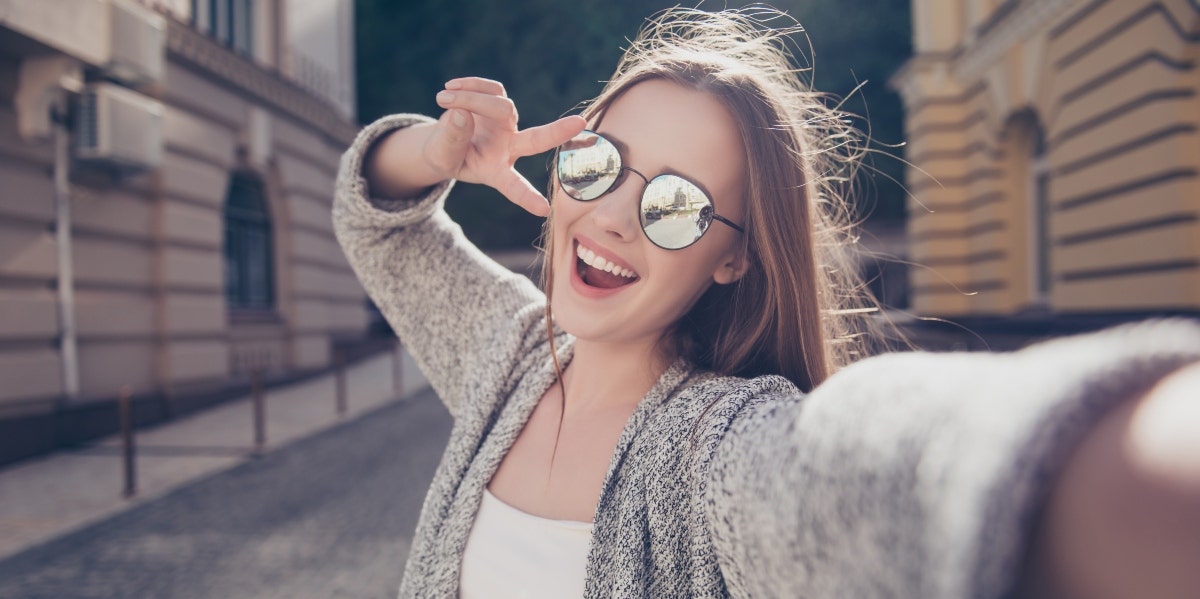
(924, 475)
(1123, 520)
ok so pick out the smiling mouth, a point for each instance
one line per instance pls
(595, 271)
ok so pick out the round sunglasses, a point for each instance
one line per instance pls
(674, 212)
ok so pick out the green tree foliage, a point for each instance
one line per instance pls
(554, 54)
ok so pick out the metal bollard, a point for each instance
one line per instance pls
(125, 415)
(339, 371)
(397, 369)
(260, 409)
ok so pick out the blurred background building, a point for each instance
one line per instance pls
(1054, 157)
(166, 171)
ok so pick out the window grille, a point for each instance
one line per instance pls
(230, 22)
(249, 272)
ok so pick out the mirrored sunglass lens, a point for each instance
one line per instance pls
(675, 213)
(587, 166)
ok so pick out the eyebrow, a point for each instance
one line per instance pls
(623, 149)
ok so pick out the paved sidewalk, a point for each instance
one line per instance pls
(47, 497)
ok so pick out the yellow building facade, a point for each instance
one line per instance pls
(1054, 156)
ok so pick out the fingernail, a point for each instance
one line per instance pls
(453, 84)
(459, 118)
(445, 97)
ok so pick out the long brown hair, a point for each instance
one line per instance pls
(799, 310)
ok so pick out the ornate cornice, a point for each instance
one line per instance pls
(906, 81)
(1020, 22)
(198, 50)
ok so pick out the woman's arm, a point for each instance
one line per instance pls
(923, 475)
(1123, 520)
(475, 141)
(467, 320)
(460, 314)
(395, 165)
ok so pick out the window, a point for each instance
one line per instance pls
(1039, 197)
(228, 21)
(249, 275)
(1030, 169)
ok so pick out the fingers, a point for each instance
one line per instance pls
(477, 84)
(449, 143)
(579, 141)
(536, 140)
(497, 108)
(486, 98)
(521, 192)
(468, 98)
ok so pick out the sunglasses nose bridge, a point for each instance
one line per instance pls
(645, 179)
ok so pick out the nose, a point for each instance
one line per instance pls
(616, 211)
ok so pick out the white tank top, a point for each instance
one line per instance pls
(514, 555)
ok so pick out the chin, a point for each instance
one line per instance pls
(584, 323)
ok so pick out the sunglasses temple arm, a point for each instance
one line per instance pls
(736, 227)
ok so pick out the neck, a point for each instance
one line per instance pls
(609, 375)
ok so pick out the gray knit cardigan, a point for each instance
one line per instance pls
(905, 475)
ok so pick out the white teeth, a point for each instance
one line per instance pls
(591, 259)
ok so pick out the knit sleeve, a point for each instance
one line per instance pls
(467, 320)
(917, 474)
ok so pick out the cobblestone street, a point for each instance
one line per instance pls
(329, 516)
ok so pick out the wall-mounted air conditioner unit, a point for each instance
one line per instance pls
(139, 38)
(118, 127)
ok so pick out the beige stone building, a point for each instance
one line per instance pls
(1055, 156)
(166, 170)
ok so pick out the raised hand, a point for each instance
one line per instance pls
(477, 140)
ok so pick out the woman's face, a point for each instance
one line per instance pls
(659, 127)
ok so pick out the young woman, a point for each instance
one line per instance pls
(639, 430)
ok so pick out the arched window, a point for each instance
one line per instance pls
(249, 276)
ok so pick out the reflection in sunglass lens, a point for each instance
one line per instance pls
(587, 166)
(675, 213)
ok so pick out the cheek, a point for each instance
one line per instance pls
(558, 246)
(564, 211)
(685, 281)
